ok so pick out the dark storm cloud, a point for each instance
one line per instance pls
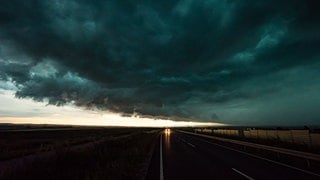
(174, 59)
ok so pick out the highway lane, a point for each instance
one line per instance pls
(189, 157)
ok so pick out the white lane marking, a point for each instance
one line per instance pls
(243, 174)
(258, 157)
(191, 145)
(187, 143)
(161, 163)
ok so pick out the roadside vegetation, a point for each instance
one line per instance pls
(77, 154)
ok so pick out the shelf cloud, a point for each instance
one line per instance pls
(229, 61)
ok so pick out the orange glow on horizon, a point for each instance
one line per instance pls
(27, 111)
(105, 120)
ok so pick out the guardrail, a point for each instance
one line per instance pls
(304, 155)
(298, 137)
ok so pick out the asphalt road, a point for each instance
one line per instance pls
(182, 156)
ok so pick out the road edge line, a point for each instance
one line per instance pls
(161, 161)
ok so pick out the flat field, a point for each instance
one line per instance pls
(67, 152)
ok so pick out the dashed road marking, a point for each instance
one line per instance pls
(191, 145)
(243, 174)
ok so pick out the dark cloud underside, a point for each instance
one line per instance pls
(229, 61)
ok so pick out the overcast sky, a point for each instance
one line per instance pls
(226, 61)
